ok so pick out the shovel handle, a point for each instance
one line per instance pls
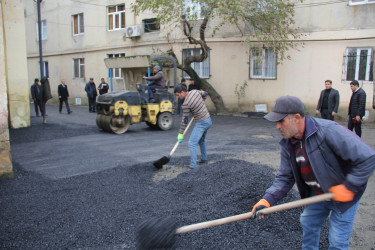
(269, 210)
(177, 143)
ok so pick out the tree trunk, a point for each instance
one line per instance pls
(206, 86)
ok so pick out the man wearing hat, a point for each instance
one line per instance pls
(157, 82)
(319, 156)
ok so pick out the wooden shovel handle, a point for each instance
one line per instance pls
(269, 210)
(177, 143)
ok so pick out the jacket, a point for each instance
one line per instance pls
(63, 91)
(104, 87)
(357, 103)
(158, 79)
(333, 100)
(35, 94)
(337, 156)
(90, 89)
(46, 89)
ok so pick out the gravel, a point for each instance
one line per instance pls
(103, 209)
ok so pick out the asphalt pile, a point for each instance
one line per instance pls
(103, 210)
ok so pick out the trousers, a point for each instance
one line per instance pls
(198, 136)
(340, 225)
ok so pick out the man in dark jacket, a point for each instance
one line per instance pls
(103, 87)
(63, 93)
(36, 95)
(46, 95)
(329, 101)
(319, 156)
(90, 89)
(357, 107)
(157, 82)
(193, 85)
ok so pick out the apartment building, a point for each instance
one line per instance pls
(79, 37)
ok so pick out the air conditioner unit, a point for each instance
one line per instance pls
(133, 31)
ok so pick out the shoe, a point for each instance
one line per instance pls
(152, 100)
(94, 111)
(202, 162)
(69, 112)
(44, 121)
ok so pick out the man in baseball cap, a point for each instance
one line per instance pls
(317, 155)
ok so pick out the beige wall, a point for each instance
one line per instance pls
(16, 63)
(329, 29)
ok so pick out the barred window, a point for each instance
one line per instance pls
(263, 64)
(201, 68)
(359, 64)
(150, 25)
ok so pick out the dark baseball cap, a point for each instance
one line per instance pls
(284, 106)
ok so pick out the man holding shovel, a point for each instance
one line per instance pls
(319, 156)
(194, 104)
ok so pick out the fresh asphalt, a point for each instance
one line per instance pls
(77, 187)
(70, 145)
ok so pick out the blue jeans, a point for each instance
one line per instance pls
(340, 225)
(198, 136)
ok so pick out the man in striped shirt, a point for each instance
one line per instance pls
(194, 104)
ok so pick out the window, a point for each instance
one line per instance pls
(358, 64)
(357, 2)
(44, 30)
(116, 17)
(79, 68)
(78, 27)
(194, 9)
(116, 72)
(263, 64)
(150, 25)
(201, 68)
(46, 70)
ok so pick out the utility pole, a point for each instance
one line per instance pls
(40, 40)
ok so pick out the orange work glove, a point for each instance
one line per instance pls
(341, 193)
(260, 205)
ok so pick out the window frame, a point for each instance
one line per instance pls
(81, 67)
(116, 72)
(43, 28)
(369, 63)
(153, 22)
(80, 24)
(46, 69)
(199, 65)
(120, 14)
(264, 64)
(351, 3)
(195, 8)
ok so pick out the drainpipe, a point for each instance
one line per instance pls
(40, 40)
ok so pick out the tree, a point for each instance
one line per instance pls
(262, 23)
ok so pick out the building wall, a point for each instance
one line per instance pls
(16, 63)
(328, 28)
(13, 78)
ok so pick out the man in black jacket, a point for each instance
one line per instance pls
(357, 107)
(63, 93)
(328, 103)
(36, 95)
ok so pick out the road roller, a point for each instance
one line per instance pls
(116, 111)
